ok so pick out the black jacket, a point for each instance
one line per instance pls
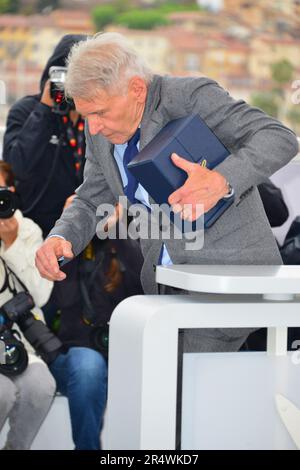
(68, 298)
(31, 147)
(273, 202)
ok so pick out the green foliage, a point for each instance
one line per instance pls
(9, 6)
(174, 7)
(145, 19)
(267, 102)
(121, 12)
(104, 15)
(293, 116)
(282, 71)
(4, 4)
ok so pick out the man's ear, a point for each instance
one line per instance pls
(12, 189)
(138, 88)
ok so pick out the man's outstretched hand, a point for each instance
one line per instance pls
(47, 256)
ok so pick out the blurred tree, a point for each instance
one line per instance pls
(122, 12)
(276, 102)
(267, 102)
(104, 15)
(9, 6)
(173, 7)
(4, 4)
(185, 4)
(293, 116)
(123, 5)
(282, 71)
(145, 19)
(282, 74)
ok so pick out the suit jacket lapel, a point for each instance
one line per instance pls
(110, 167)
(153, 121)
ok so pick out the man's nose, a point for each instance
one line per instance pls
(95, 125)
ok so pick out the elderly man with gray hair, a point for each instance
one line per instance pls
(122, 99)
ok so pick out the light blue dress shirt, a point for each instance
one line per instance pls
(140, 194)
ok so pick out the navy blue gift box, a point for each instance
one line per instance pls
(191, 139)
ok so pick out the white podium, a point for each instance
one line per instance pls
(143, 347)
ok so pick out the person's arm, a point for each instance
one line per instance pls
(77, 225)
(259, 144)
(30, 125)
(20, 256)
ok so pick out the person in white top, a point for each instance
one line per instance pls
(25, 399)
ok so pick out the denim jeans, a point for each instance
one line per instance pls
(81, 375)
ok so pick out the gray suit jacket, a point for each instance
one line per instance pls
(259, 146)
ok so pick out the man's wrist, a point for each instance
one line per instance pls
(55, 236)
(230, 191)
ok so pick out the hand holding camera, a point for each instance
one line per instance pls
(56, 91)
(46, 97)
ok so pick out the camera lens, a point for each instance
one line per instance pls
(12, 355)
(8, 203)
(15, 355)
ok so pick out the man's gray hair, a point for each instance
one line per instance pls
(103, 62)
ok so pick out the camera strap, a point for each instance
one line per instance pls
(11, 275)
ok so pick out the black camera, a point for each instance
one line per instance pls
(45, 343)
(15, 357)
(8, 203)
(57, 91)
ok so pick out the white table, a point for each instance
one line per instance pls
(143, 346)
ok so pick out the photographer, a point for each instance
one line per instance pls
(25, 397)
(102, 276)
(44, 143)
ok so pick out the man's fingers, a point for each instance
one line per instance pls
(175, 197)
(176, 208)
(186, 212)
(67, 252)
(47, 258)
(182, 163)
(48, 273)
(47, 265)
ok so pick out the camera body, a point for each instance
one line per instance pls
(45, 343)
(57, 77)
(14, 308)
(8, 203)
